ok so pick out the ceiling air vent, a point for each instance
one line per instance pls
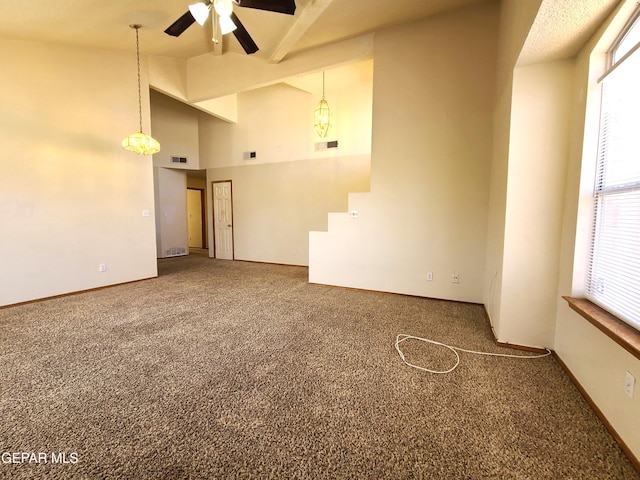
(178, 159)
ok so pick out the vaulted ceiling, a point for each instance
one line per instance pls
(96, 23)
(560, 29)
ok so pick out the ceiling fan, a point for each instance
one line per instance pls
(227, 20)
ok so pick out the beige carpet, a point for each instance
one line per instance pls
(221, 369)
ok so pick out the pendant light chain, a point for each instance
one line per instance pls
(137, 28)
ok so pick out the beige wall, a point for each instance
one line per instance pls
(597, 362)
(175, 126)
(531, 150)
(289, 188)
(431, 152)
(172, 237)
(276, 121)
(269, 121)
(538, 155)
(275, 205)
(541, 190)
(516, 18)
(70, 197)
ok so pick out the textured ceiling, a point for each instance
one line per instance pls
(562, 27)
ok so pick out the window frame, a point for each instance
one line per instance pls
(602, 192)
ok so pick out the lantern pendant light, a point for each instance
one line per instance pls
(139, 142)
(322, 115)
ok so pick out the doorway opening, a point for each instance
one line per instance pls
(197, 212)
(196, 220)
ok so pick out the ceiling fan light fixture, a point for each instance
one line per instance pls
(223, 7)
(226, 25)
(228, 22)
(200, 12)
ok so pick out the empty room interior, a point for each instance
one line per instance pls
(459, 168)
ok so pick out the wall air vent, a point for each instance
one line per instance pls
(249, 155)
(175, 251)
(178, 159)
(326, 145)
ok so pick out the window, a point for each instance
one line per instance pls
(614, 271)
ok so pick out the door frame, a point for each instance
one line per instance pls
(213, 218)
(203, 214)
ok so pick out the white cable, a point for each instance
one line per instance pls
(402, 337)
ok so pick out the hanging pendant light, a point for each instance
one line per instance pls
(322, 115)
(139, 142)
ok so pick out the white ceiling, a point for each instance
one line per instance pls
(105, 24)
(560, 30)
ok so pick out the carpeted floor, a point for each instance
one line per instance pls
(220, 369)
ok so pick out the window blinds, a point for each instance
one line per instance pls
(614, 270)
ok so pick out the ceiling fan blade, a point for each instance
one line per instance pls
(280, 6)
(180, 25)
(243, 36)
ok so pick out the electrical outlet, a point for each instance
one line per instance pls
(429, 276)
(629, 383)
(455, 278)
(102, 267)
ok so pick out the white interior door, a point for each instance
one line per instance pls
(223, 220)
(194, 213)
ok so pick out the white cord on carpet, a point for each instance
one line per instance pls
(402, 337)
